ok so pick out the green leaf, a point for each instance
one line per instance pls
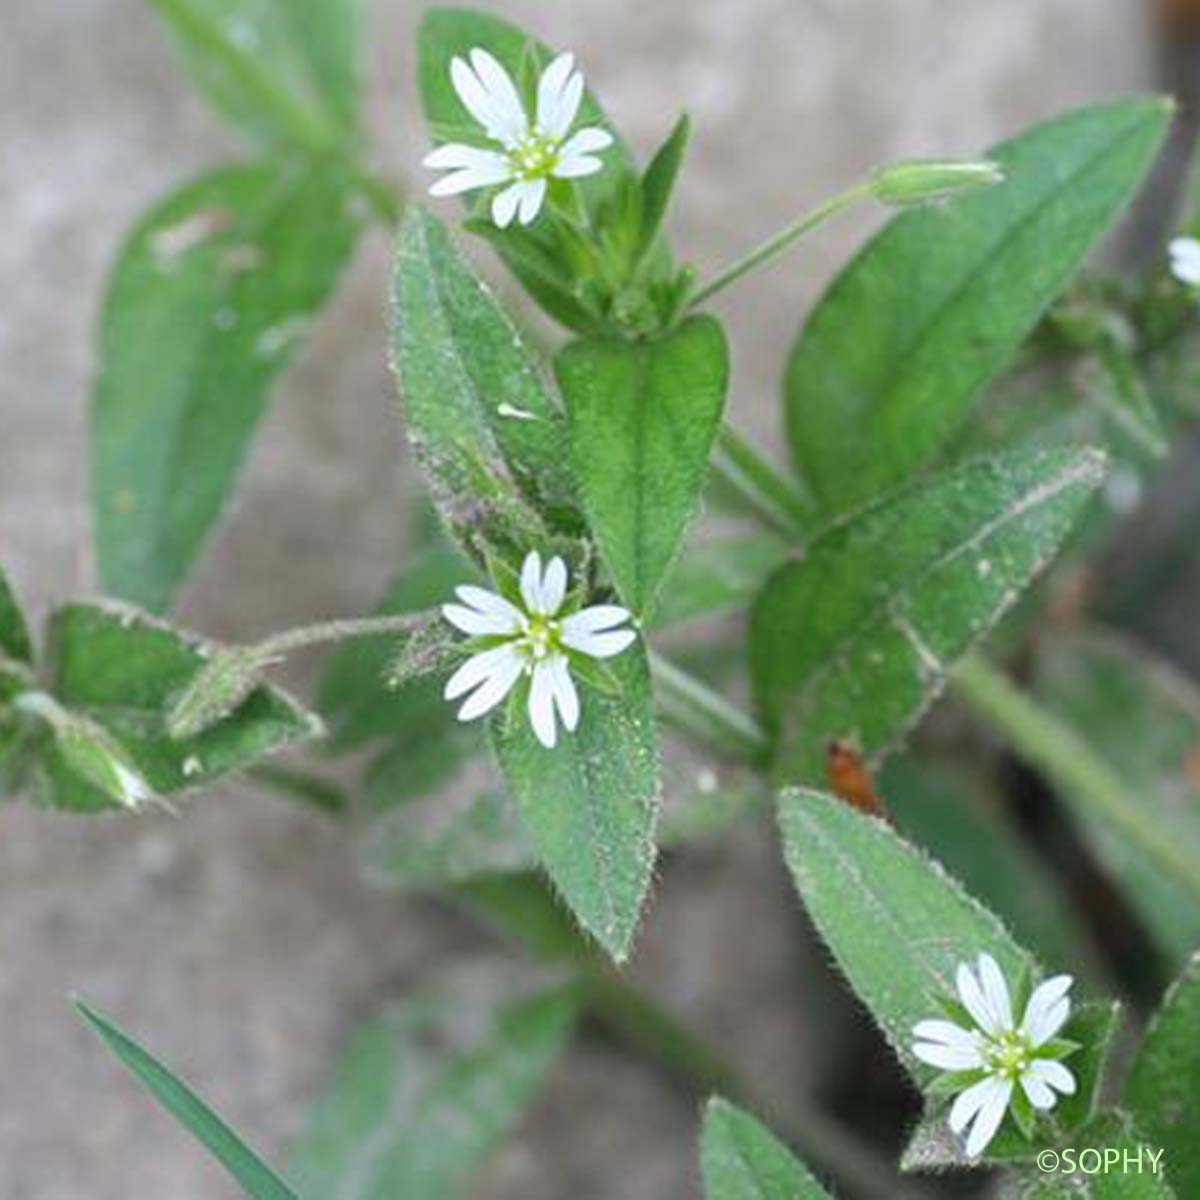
(1142, 719)
(591, 803)
(892, 358)
(896, 923)
(1163, 1090)
(122, 669)
(14, 634)
(423, 1096)
(483, 426)
(854, 640)
(1131, 1176)
(642, 418)
(205, 305)
(282, 70)
(961, 822)
(658, 182)
(255, 1178)
(740, 1160)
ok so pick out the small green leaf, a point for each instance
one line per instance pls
(716, 578)
(590, 804)
(1163, 1090)
(482, 424)
(854, 640)
(658, 182)
(255, 1178)
(423, 1096)
(642, 418)
(123, 670)
(1142, 718)
(895, 922)
(740, 1160)
(206, 303)
(892, 358)
(282, 70)
(14, 634)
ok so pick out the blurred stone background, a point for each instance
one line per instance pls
(235, 938)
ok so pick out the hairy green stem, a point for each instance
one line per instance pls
(338, 630)
(693, 708)
(1069, 762)
(774, 246)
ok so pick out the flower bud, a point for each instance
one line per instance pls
(217, 689)
(921, 181)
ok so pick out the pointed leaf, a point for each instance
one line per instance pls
(643, 417)
(1142, 718)
(740, 1160)
(658, 181)
(282, 70)
(853, 641)
(207, 301)
(14, 634)
(892, 358)
(897, 925)
(255, 1178)
(423, 1096)
(483, 426)
(590, 804)
(123, 669)
(1163, 1090)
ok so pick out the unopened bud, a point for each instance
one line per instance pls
(923, 181)
(217, 690)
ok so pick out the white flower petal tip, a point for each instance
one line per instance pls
(529, 150)
(1184, 253)
(997, 1053)
(532, 640)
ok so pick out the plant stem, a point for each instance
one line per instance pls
(772, 497)
(693, 708)
(1069, 762)
(776, 245)
(338, 630)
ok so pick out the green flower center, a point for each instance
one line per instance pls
(1010, 1054)
(542, 638)
(535, 156)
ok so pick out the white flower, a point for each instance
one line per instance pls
(998, 1054)
(1185, 260)
(534, 639)
(530, 152)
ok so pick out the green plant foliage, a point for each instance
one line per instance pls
(891, 359)
(14, 634)
(854, 640)
(1163, 1089)
(642, 421)
(422, 1096)
(740, 1160)
(590, 804)
(1142, 719)
(658, 183)
(207, 302)
(121, 668)
(255, 1178)
(896, 923)
(283, 71)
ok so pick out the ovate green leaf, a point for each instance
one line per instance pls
(1163, 1090)
(853, 640)
(422, 1096)
(896, 923)
(741, 1160)
(890, 361)
(642, 418)
(207, 301)
(590, 804)
(123, 669)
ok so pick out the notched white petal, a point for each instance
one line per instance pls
(541, 705)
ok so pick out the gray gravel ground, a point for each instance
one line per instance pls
(236, 938)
